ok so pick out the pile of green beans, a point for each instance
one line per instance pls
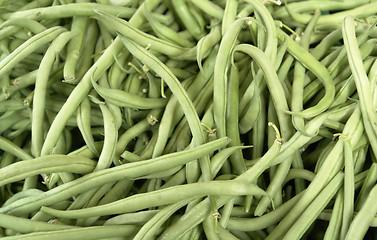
(188, 119)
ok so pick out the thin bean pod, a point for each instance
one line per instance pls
(46, 164)
(162, 197)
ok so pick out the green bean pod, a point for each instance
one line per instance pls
(47, 164)
(126, 171)
(162, 197)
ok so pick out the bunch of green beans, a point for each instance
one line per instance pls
(188, 119)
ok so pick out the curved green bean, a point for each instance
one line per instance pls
(126, 171)
(162, 197)
(47, 164)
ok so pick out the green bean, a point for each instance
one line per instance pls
(360, 223)
(8, 32)
(10, 147)
(75, 47)
(135, 130)
(156, 221)
(257, 136)
(19, 83)
(169, 120)
(337, 18)
(232, 121)
(126, 171)
(329, 168)
(164, 196)
(209, 8)
(368, 184)
(205, 45)
(229, 16)
(70, 10)
(126, 29)
(210, 228)
(253, 224)
(325, 44)
(201, 210)
(333, 230)
(41, 88)
(360, 158)
(111, 136)
(220, 75)
(23, 225)
(132, 218)
(123, 99)
(28, 47)
(83, 88)
(11, 105)
(32, 25)
(310, 214)
(298, 140)
(252, 114)
(299, 75)
(35, 4)
(349, 188)
(86, 56)
(323, 6)
(83, 123)
(165, 32)
(77, 233)
(315, 67)
(225, 213)
(273, 84)
(361, 80)
(224, 80)
(187, 18)
(176, 88)
(299, 173)
(93, 200)
(47, 164)
(22, 194)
